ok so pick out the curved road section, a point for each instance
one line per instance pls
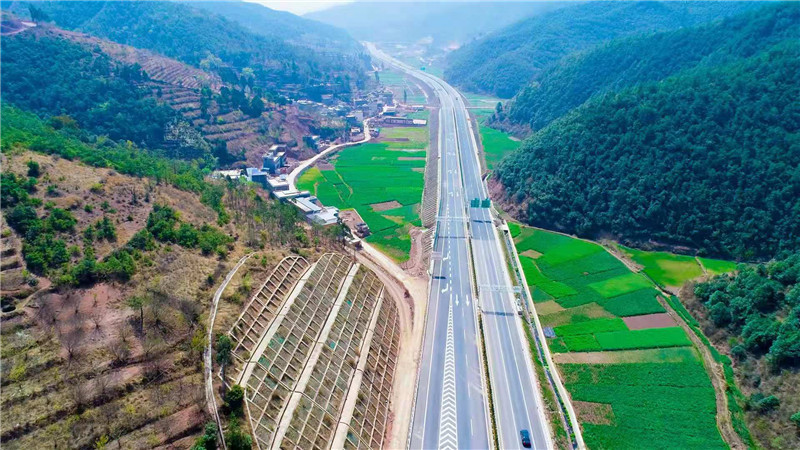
(450, 405)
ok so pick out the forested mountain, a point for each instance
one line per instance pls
(628, 61)
(706, 159)
(79, 88)
(283, 25)
(201, 38)
(444, 23)
(508, 59)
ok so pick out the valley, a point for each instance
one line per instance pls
(250, 225)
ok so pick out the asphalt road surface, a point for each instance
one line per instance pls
(450, 406)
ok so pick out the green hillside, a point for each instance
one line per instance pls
(201, 38)
(627, 62)
(79, 89)
(505, 61)
(283, 25)
(705, 159)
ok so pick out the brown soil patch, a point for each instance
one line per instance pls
(416, 265)
(411, 158)
(406, 150)
(350, 218)
(385, 206)
(595, 413)
(531, 254)
(660, 355)
(548, 307)
(418, 169)
(659, 320)
(325, 165)
(400, 139)
(590, 310)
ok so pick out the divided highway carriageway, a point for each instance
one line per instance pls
(450, 409)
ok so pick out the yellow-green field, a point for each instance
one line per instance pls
(669, 269)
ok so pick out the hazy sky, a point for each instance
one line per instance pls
(301, 6)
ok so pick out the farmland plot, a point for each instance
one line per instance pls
(367, 176)
(633, 388)
(669, 269)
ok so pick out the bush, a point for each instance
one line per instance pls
(142, 240)
(236, 438)
(33, 169)
(22, 218)
(61, 220)
(796, 419)
(234, 401)
(44, 253)
(764, 404)
(208, 441)
(163, 220)
(223, 348)
(105, 229)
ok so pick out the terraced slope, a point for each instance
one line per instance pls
(314, 351)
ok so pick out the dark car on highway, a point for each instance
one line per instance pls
(525, 436)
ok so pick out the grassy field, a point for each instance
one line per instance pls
(369, 174)
(496, 144)
(669, 269)
(635, 387)
(481, 100)
(717, 266)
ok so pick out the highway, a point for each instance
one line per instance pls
(450, 406)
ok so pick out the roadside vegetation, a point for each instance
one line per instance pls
(622, 358)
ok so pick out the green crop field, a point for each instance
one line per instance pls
(481, 100)
(652, 382)
(373, 173)
(666, 269)
(424, 114)
(648, 338)
(654, 405)
(717, 266)
(669, 269)
(496, 143)
(592, 327)
(417, 137)
(622, 284)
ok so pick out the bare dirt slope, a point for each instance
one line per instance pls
(79, 365)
